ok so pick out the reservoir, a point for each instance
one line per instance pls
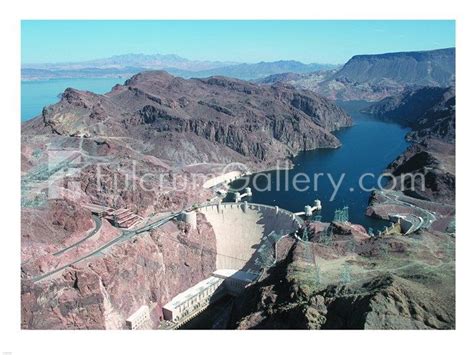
(37, 94)
(367, 148)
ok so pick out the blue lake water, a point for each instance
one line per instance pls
(37, 94)
(367, 147)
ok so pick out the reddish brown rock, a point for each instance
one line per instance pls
(104, 291)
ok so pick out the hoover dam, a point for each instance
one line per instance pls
(246, 240)
(246, 232)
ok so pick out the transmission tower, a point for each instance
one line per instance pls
(318, 275)
(346, 274)
(325, 236)
(342, 215)
(305, 234)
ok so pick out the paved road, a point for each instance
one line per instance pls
(98, 224)
(427, 216)
(126, 235)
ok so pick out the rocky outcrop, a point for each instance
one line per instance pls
(254, 71)
(103, 292)
(320, 293)
(421, 68)
(373, 77)
(423, 179)
(385, 302)
(279, 78)
(430, 112)
(60, 222)
(257, 124)
(426, 171)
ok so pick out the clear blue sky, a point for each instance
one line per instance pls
(243, 41)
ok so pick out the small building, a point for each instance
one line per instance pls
(221, 192)
(139, 318)
(190, 218)
(101, 211)
(122, 218)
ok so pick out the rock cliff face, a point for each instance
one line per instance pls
(430, 112)
(423, 68)
(328, 285)
(101, 293)
(246, 121)
(43, 229)
(373, 77)
(434, 160)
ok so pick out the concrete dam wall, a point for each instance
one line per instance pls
(243, 230)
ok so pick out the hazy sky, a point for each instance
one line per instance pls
(243, 41)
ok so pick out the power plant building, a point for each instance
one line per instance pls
(193, 299)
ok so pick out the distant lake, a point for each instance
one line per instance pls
(367, 147)
(37, 94)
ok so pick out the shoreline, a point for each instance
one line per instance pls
(362, 209)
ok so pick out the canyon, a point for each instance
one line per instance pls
(150, 138)
(165, 130)
(430, 158)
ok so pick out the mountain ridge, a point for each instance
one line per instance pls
(413, 68)
(130, 64)
(251, 123)
(372, 77)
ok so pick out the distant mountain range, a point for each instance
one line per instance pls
(145, 61)
(258, 70)
(374, 77)
(364, 77)
(424, 68)
(130, 64)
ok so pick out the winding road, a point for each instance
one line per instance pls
(98, 224)
(126, 235)
(396, 198)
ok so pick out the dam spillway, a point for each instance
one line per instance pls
(245, 230)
